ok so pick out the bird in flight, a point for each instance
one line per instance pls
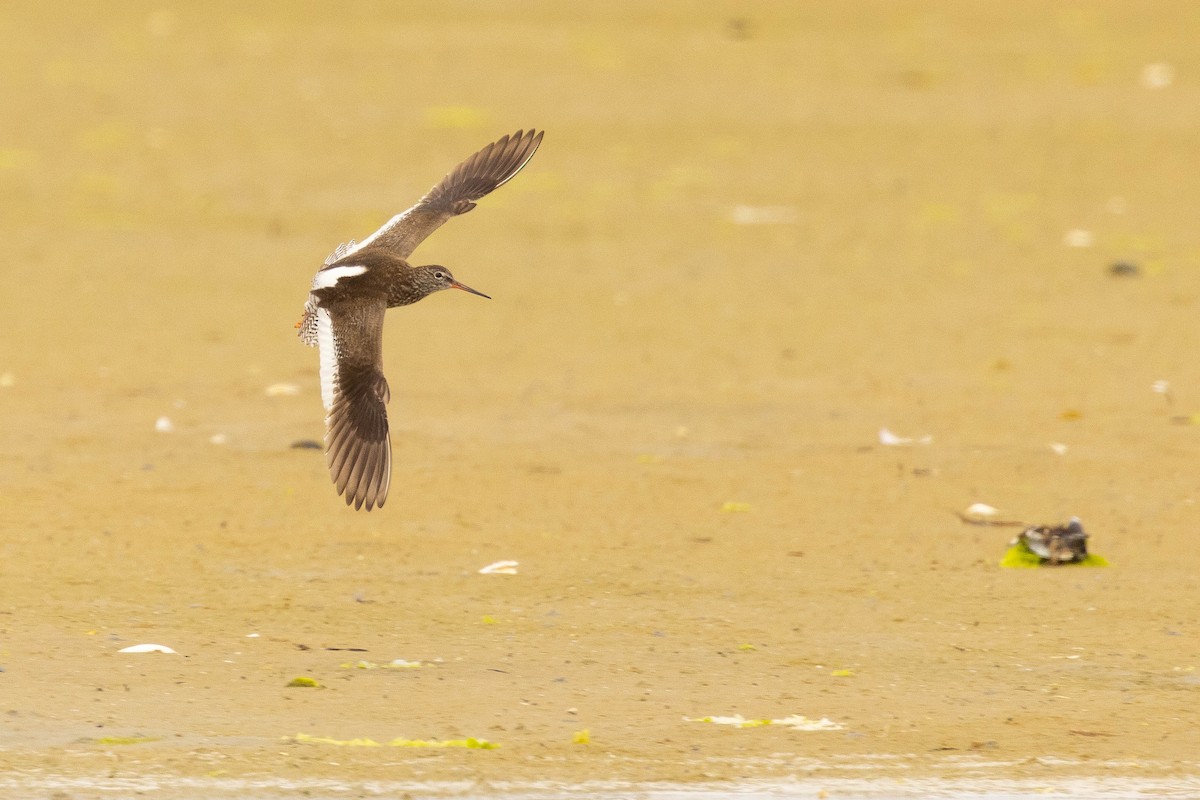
(343, 316)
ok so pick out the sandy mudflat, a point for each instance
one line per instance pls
(756, 234)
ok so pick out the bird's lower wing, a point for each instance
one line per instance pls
(355, 391)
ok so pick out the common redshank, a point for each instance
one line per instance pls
(344, 313)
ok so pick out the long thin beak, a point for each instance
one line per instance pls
(466, 288)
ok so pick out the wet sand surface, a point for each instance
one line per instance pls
(756, 234)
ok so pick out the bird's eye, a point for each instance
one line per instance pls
(441, 276)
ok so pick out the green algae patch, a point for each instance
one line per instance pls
(470, 743)
(795, 722)
(1019, 556)
(305, 682)
(124, 740)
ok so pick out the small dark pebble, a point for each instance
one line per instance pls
(1124, 269)
(306, 444)
(739, 28)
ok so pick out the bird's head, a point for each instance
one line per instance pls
(435, 277)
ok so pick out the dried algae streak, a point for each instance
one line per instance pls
(470, 743)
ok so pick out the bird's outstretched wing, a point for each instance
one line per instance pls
(355, 393)
(490, 168)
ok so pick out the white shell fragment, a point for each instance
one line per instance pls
(164, 425)
(395, 663)
(1078, 237)
(802, 723)
(500, 568)
(1161, 386)
(146, 648)
(763, 215)
(218, 438)
(1158, 76)
(1059, 448)
(890, 439)
(7, 380)
(283, 390)
(980, 511)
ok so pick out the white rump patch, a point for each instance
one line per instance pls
(329, 361)
(329, 277)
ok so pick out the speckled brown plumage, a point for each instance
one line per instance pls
(345, 310)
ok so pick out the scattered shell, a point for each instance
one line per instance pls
(1157, 76)
(500, 568)
(283, 390)
(395, 663)
(1162, 387)
(977, 510)
(801, 723)
(1059, 447)
(7, 380)
(735, 507)
(218, 438)
(1078, 237)
(306, 444)
(763, 215)
(164, 425)
(983, 514)
(1124, 269)
(890, 439)
(146, 648)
